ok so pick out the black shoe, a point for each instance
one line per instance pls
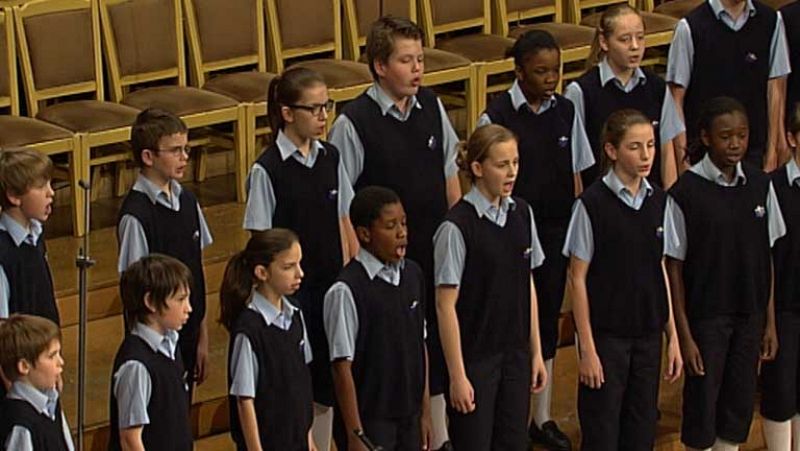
(550, 437)
(446, 446)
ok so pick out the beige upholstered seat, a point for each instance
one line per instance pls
(677, 8)
(653, 22)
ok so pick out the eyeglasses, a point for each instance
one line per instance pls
(315, 109)
(178, 150)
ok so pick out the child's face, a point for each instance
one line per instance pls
(309, 124)
(633, 158)
(36, 203)
(176, 311)
(726, 139)
(284, 274)
(497, 173)
(387, 236)
(401, 75)
(169, 161)
(625, 47)
(539, 75)
(45, 373)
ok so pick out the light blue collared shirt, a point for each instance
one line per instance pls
(340, 317)
(244, 362)
(450, 250)
(793, 172)
(45, 404)
(344, 136)
(19, 235)
(261, 202)
(132, 383)
(670, 123)
(132, 239)
(675, 239)
(582, 156)
(580, 237)
(681, 50)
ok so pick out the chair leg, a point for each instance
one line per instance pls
(201, 165)
(240, 141)
(471, 99)
(78, 170)
(481, 88)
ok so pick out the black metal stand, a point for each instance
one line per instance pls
(83, 262)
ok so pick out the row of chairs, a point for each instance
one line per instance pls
(210, 62)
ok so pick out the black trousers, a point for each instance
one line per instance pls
(720, 403)
(393, 434)
(780, 378)
(550, 279)
(502, 397)
(622, 413)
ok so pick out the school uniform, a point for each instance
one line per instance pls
(791, 19)
(149, 389)
(612, 229)
(413, 153)
(308, 195)
(712, 54)
(779, 378)
(375, 318)
(31, 420)
(723, 231)
(152, 221)
(268, 360)
(552, 147)
(598, 93)
(488, 252)
(26, 284)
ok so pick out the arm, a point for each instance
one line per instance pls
(578, 184)
(680, 142)
(346, 231)
(247, 417)
(260, 207)
(538, 371)
(777, 151)
(590, 367)
(450, 146)
(769, 343)
(425, 416)
(130, 439)
(132, 242)
(669, 163)
(462, 396)
(689, 350)
(453, 187)
(345, 390)
(350, 244)
(674, 359)
(201, 367)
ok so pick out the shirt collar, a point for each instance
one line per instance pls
(518, 99)
(719, 10)
(153, 192)
(607, 75)
(287, 148)
(389, 272)
(43, 402)
(165, 344)
(379, 95)
(709, 171)
(482, 204)
(18, 233)
(613, 182)
(268, 311)
(793, 172)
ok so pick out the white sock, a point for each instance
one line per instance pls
(777, 434)
(438, 421)
(795, 433)
(322, 427)
(540, 402)
(724, 445)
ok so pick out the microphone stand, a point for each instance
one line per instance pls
(83, 262)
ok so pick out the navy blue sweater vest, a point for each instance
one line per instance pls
(731, 63)
(625, 283)
(545, 177)
(786, 253)
(494, 298)
(727, 265)
(600, 101)
(791, 20)
(389, 362)
(284, 398)
(177, 234)
(306, 201)
(168, 409)
(29, 278)
(46, 434)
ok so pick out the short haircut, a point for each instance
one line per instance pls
(368, 203)
(161, 276)
(24, 337)
(150, 126)
(382, 33)
(793, 119)
(529, 43)
(21, 169)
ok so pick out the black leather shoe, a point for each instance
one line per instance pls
(446, 446)
(550, 437)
